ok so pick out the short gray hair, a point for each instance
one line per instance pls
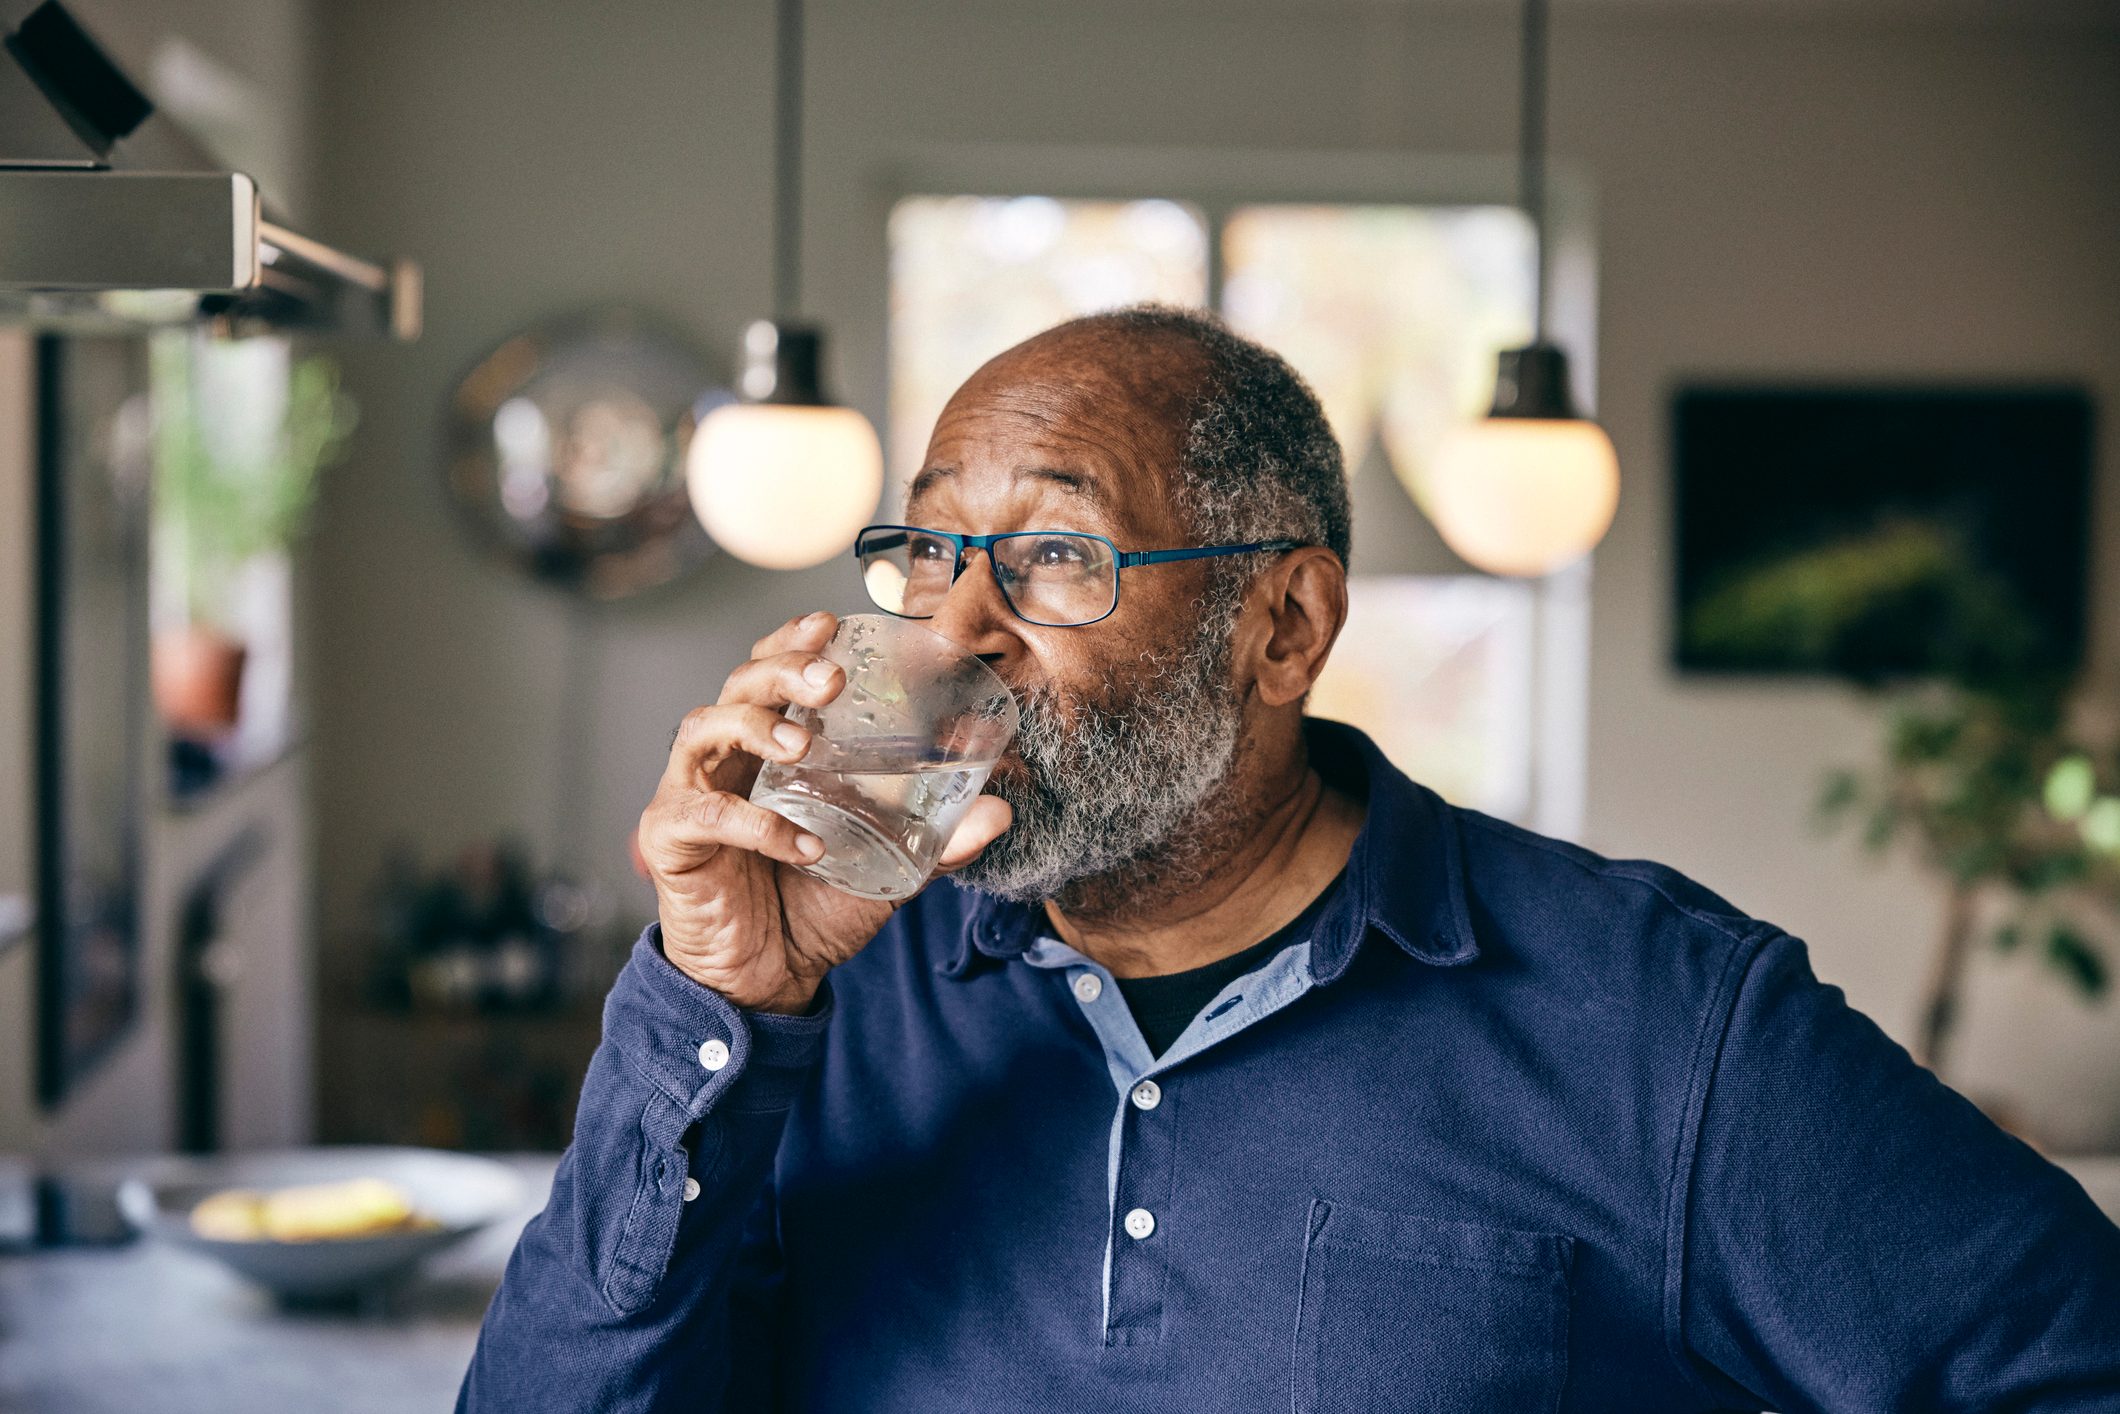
(1260, 459)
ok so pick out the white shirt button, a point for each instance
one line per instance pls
(1088, 987)
(691, 1188)
(1140, 1223)
(1147, 1095)
(714, 1054)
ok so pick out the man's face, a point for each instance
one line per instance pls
(1129, 724)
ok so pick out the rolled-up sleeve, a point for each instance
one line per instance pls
(619, 1295)
(1857, 1236)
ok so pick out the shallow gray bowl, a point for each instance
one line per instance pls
(461, 1192)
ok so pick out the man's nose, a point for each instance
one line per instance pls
(974, 616)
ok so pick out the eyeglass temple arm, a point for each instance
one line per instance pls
(1203, 552)
(1126, 557)
(870, 544)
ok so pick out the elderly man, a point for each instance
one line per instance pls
(1232, 1070)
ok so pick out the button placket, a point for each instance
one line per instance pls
(1143, 1138)
(1143, 1184)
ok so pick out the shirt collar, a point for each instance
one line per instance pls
(1405, 875)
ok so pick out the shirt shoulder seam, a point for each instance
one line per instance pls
(1737, 929)
(1748, 938)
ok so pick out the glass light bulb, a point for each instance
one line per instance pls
(1523, 496)
(784, 487)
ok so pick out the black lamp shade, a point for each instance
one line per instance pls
(782, 364)
(1533, 382)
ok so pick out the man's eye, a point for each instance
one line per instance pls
(930, 550)
(1057, 554)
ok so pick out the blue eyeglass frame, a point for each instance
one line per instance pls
(1121, 560)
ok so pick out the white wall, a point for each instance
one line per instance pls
(1781, 191)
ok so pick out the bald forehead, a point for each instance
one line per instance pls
(1113, 404)
(1151, 379)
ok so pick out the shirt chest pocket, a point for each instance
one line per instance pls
(1416, 1316)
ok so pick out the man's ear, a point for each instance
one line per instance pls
(1299, 606)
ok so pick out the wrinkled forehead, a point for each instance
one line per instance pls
(1086, 436)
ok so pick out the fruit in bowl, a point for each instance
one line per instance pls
(312, 1224)
(308, 1212)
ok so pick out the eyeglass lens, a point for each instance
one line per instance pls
(1048, 577)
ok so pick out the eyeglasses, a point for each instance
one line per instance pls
(1052, 578)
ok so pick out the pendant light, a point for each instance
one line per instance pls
(1532, 486)
(785, 477)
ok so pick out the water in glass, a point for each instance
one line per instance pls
(882, 811)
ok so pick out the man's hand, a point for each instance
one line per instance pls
(737, 915)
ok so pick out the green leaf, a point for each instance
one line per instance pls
(2101, 824)
(2070, 786)
(2077, 960)
(1879, 830)
(1980, 858)
(222, 500)
(1918, 738)
(2046, 871)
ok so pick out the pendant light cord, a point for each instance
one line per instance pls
(1531, 171)
(787, 168)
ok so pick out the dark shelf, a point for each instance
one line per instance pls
(450, 1079)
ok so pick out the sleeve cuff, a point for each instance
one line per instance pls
(695, 1045)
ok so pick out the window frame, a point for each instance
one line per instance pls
(1219, 181)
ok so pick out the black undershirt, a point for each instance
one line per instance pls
(1164, 1006)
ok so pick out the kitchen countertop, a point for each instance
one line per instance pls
(145, 1328)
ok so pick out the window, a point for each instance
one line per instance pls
(971, 276)
(1393, 312)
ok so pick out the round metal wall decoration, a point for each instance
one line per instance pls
(567, 452)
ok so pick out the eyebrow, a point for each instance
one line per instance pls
(1075, 483)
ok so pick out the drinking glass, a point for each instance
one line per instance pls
(895, 759)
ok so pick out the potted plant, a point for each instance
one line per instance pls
(1986, 772)
(242, 431)
(2018, 817)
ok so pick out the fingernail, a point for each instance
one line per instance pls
(814, 618)
(818, 673)
(809, 846)
(790, 736)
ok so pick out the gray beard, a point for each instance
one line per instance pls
(1120, 797)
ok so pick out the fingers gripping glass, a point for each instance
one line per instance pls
(1052, 578)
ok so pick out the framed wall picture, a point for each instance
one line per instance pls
(1877, 532)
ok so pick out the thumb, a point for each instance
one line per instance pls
(982, 824)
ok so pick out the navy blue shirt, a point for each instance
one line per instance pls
(1511, 1127)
